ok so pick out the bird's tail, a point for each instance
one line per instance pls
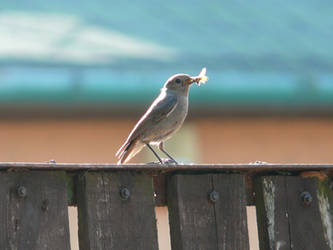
(128, 150)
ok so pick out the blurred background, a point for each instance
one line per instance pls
(75, 76)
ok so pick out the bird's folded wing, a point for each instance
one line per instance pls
(158, 110)
(163, 108)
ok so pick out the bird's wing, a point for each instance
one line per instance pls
(162, 108)
(159, 110)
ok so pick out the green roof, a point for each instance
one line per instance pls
(258, 54)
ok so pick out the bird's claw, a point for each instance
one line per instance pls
(154, 163)
(169, 162)
(164, 162)
(258, 163)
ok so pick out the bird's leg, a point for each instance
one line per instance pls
(147, 144)
(161, 147)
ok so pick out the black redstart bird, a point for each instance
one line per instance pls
(163, 118)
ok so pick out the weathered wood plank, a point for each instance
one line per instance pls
(272, 213)
(33, 211)
(111, 217)
(305, 218)
(207, 211)
(230, 212)
(294, 213)
(258, 167)
(191, 215)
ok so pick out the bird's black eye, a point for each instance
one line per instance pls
(178, 80)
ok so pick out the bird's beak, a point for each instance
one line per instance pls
(190, 81)
(201, 78)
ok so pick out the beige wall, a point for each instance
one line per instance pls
(62, 140)
(266, 139)
(209, 140)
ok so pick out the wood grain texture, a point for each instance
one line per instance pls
(260, 167)
(230, 212)
(198, 223)
(38, 219)
(285, 222)
(106, 221)
(272, 213)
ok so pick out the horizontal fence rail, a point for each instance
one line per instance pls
(206, 203)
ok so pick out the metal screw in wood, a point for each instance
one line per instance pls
(214, 196)
(124, 193)
(45, 205)
(21, 191)
(306, 198)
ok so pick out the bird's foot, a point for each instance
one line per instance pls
(169, 162)
(258, 163)
(164, 162)
(154, 163)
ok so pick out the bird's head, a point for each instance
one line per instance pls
(178, 82)
(182, 82)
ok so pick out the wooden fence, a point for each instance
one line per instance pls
(207, 205)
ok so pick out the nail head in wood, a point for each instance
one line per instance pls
(306, 198)
(45, 205)
(214, 196)
(124, 193)
(21, 191)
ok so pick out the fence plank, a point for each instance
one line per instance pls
(272, 213)
(286, 221)
(197, 222)
(107, 220)
(33, 210)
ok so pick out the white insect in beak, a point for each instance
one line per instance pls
(201, 78)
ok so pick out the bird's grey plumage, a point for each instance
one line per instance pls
(163, 118)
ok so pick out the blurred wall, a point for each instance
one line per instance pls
(202, 140)
(282, 140)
